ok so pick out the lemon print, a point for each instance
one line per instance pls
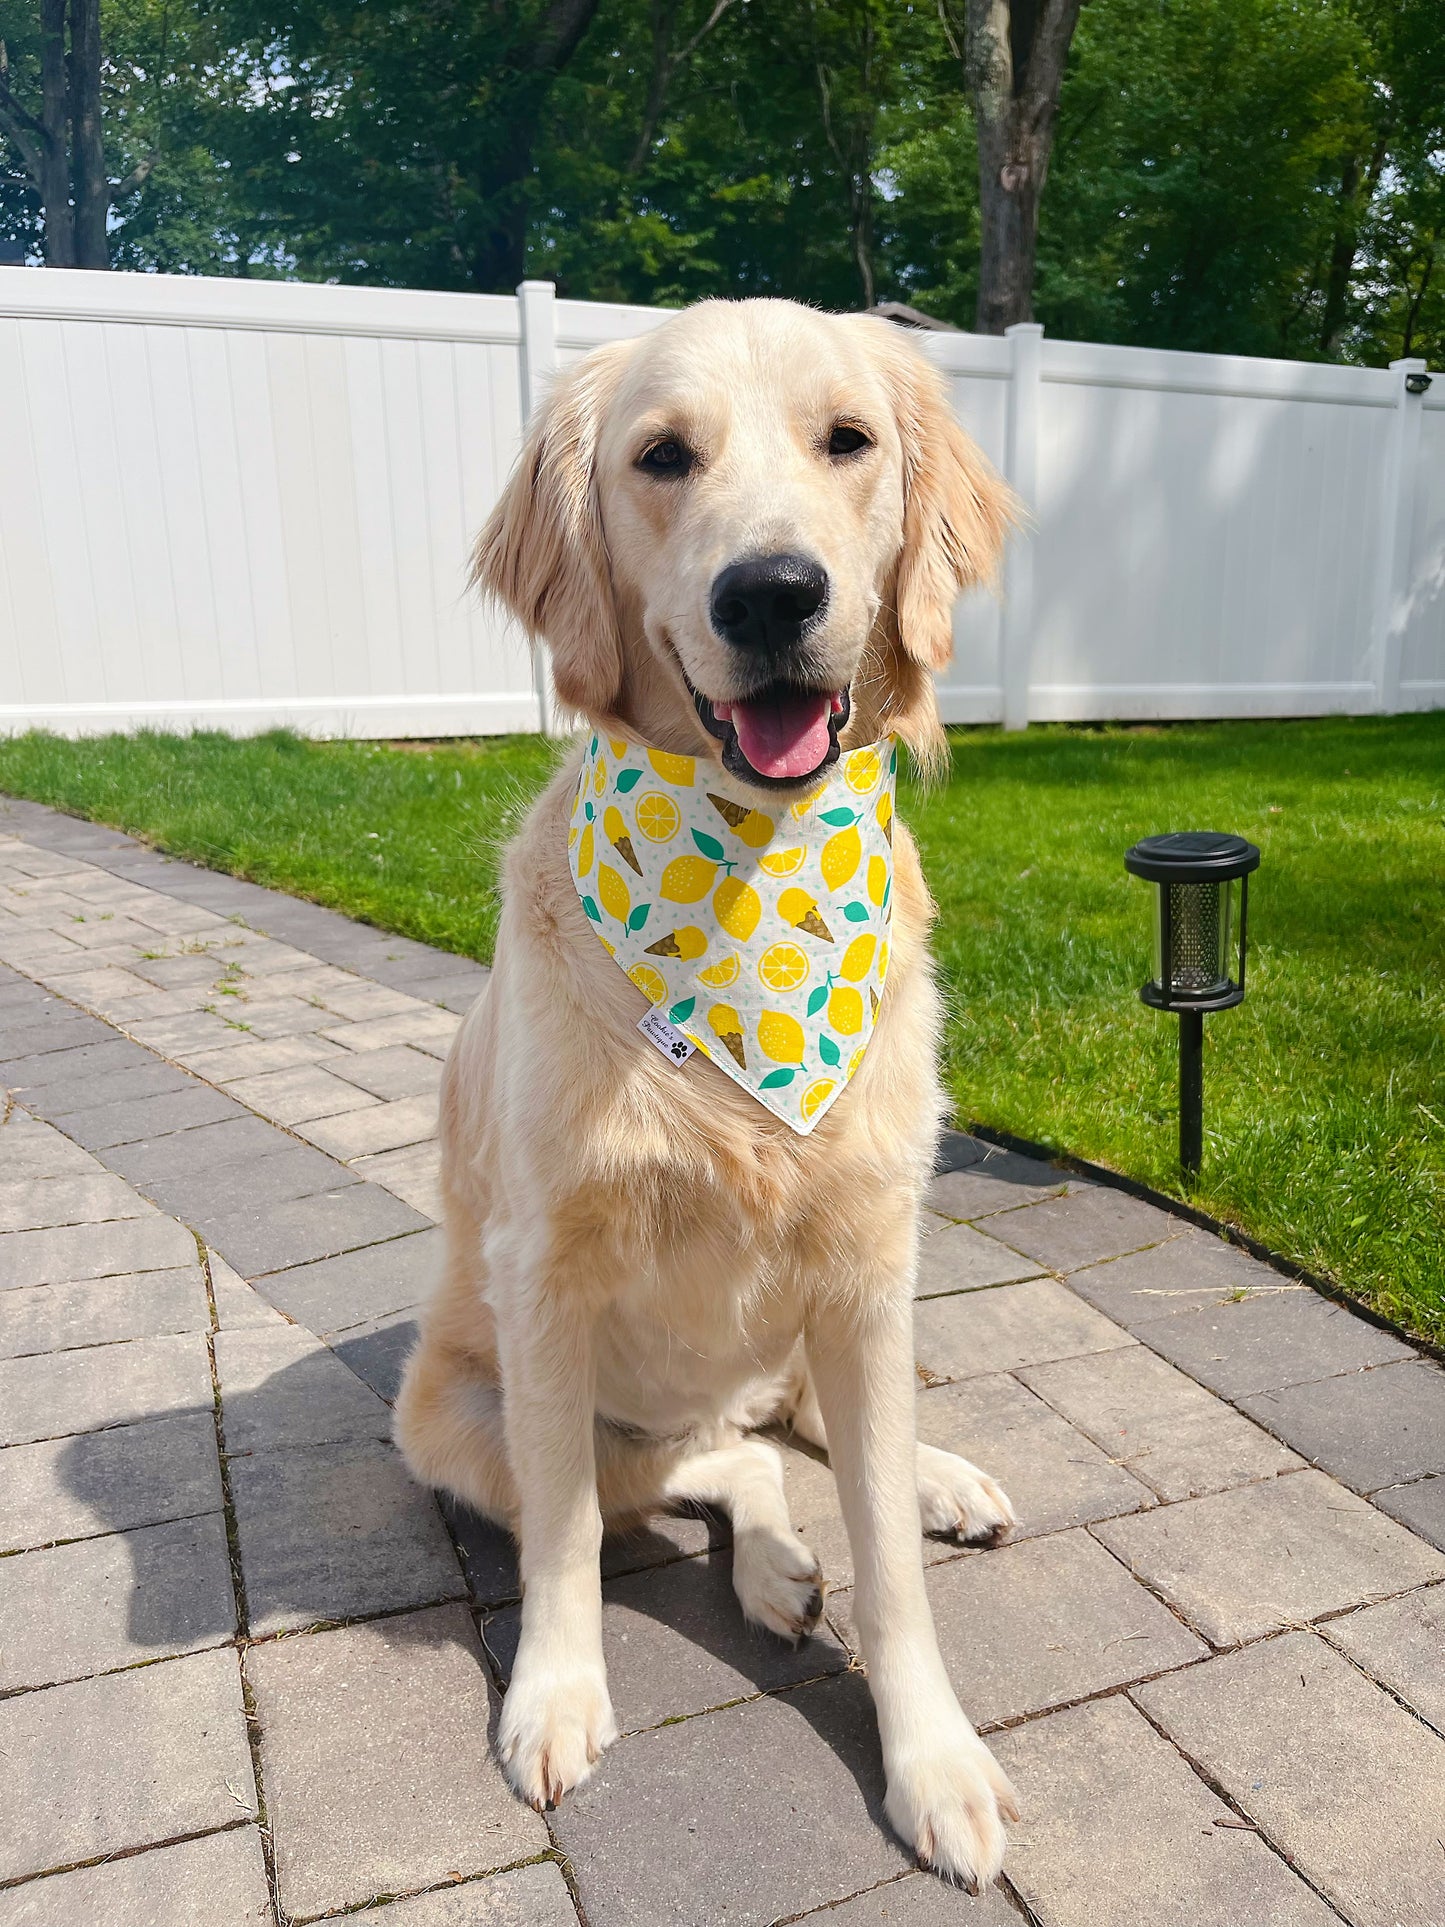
(841, 856)
(782, 863)
(610, 948)
(755, 829)
(877, 879)
(584, 853)
(619, 746)
(783, 966)
(817, 1093)
(780, 1037)
(572, 836)
(801, 808)
(599, 776)
(873, 1000)
(728, 1030)
(648, 982)
(883, 961)
(858, 959)
(673, 769)
(719, 975)
(845, 1012)
(658, 817)
(737, 908)
(686, 943)
(798, 908)
(687, 879)
(615, 825)
(862, 770)
(853, 1062)
(885, 815)
(613, 892)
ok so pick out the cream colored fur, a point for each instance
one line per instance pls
(643, 1264)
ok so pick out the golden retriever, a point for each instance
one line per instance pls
(740, 537)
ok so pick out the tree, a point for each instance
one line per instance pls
(1013, 54)
(50, 115)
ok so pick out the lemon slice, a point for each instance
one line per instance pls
(658, 817)
(818, 1092)
(782, 863)
(783, 966)
(649, 982)
(862, 771)
(719, 975)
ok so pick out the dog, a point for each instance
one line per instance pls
(741, 538)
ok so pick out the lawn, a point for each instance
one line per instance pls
(1324, 1093)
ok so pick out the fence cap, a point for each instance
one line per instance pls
(1191, 856)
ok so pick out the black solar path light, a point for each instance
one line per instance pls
(1200, 927)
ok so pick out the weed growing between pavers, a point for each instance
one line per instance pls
(1325, 1092)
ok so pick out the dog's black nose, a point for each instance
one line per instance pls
(766, 604)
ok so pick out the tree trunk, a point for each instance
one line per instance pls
(1013, 54)
(92, 190)
(54, 183)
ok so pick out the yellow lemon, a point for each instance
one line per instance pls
(862, 771)
(798, 908)
(877, 878)
(610, 948)
(687, 879)
(885, 815)
(729, 1032)
(648, 982)
(719, 975)
(780, 1037)
(853, 1062)
(572, 836)
(673, 769)
(801, 808)
(883, 960)
(818, 1092)
(783, 966)
(845, 1012)
(658, 817)
(619, 745)
(841, 856)
(686, 943)
(613, 892)
(584, 853)
(858, 958)
(599, 775)
(737, 908)
(782, 863)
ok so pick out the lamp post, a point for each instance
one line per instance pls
(1200, 933)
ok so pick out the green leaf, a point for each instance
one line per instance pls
(710, 847)
(639, 916)
(680, 1013)
(856, 912)
(776, 1079)
(592, 747)
(591, 908)
(817, 999)
(887, 893)
(893, 761)
(837, 819)
(829, 1052)
(628, 780)
(587, 811)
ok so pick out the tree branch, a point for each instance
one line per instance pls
(140, 173)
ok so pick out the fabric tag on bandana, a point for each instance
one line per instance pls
(758, 935)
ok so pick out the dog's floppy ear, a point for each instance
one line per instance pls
(957, 513)
(542, 552)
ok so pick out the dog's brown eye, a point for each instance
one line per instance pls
(667, 457)
(846, 440)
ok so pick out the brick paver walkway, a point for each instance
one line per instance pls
(1211, 1658)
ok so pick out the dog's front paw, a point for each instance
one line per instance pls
(553, 1729)
(777, 1581)
(950, 1806)
(957, 1501)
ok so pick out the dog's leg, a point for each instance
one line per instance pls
(946, 1792)
(557, 1716)
(956, 1499)
(776, 1578)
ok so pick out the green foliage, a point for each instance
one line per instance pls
(1325, 1132)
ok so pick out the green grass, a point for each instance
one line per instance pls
(1324, 1092)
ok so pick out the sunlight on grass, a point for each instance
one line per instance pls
(1324, 1092)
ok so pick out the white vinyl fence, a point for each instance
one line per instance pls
(233, 504)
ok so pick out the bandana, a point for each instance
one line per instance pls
(761, 937)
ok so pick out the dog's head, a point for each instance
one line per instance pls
(744, 533)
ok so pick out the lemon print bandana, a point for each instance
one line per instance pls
(760, 935)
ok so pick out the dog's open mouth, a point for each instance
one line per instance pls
(783, 734)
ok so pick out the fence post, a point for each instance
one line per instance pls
(1021, 467)
(537, 310)
(1392, 572)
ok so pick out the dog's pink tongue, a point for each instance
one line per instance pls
(783, 735)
